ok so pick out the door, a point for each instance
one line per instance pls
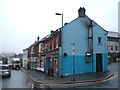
(47, 64)
(99, 62)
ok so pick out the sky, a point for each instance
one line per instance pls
(21, 21)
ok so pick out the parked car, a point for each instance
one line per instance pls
(5, 71)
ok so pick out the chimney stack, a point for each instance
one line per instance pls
(81, 12)
(52, 31)
(38, 38)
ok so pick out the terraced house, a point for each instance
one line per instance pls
(80, 46)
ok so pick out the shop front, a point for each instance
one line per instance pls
(51, 67)
(40, 63)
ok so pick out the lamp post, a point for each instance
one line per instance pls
(61, 41)
(62, 16)
(73, 53)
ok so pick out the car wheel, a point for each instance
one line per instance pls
(9, 76)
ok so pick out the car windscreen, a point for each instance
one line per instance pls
(4, 67)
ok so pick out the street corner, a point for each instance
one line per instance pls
(108, 77)
(77, 82)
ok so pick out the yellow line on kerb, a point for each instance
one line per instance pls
(76, 83)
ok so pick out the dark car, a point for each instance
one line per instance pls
(5, 71)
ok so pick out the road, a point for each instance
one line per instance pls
(110, 83)
(18, 79)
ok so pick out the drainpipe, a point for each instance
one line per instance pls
(89, 54)
(62, 45)
(90, 38)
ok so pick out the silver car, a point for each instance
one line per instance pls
(5, 71)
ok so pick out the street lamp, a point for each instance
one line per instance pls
(62, 16)
(61, 41)
(73, 53)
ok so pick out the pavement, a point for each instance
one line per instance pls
(42, 78)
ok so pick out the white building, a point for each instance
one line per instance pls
(113, 42)
(25, 58)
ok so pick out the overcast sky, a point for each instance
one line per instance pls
(21, 21)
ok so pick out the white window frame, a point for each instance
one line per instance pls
(41, 47)
(49, 46)
(57, 41)
(52, 44)
(32, 50)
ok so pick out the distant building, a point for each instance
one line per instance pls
(25, 61)
(34, 54)
(113, 44)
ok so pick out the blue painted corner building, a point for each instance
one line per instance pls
(83, 47)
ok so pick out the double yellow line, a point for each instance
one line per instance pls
(76, 83)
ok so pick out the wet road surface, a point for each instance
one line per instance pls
(111, 83)
(18, 79)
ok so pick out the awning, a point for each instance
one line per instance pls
(39, 58)
(50, 56)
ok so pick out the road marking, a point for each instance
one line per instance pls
(61, 84)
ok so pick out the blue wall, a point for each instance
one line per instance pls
(100, 48)
(77, 32)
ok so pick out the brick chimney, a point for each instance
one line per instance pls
(81, 12)
(38, 38)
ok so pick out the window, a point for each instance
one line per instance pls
(32, 50)
(48, 46)
(111, 48)
(113, 39)
(57, 42)
(116, 48)
(52, 44)
(40, 47)
(99, 40)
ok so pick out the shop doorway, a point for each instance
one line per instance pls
(99, 62)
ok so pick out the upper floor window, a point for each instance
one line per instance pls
(111, 48)
(57, 41)
(52, 44)
(48, 46)
(116, 48)
(113, 39)
(32, 50)
(99, 40)
(40, 47)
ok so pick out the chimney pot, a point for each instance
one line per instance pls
(52, 31)
(65, 23)
(38, 38)
(81, 12)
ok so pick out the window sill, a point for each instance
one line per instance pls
(56, 47)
